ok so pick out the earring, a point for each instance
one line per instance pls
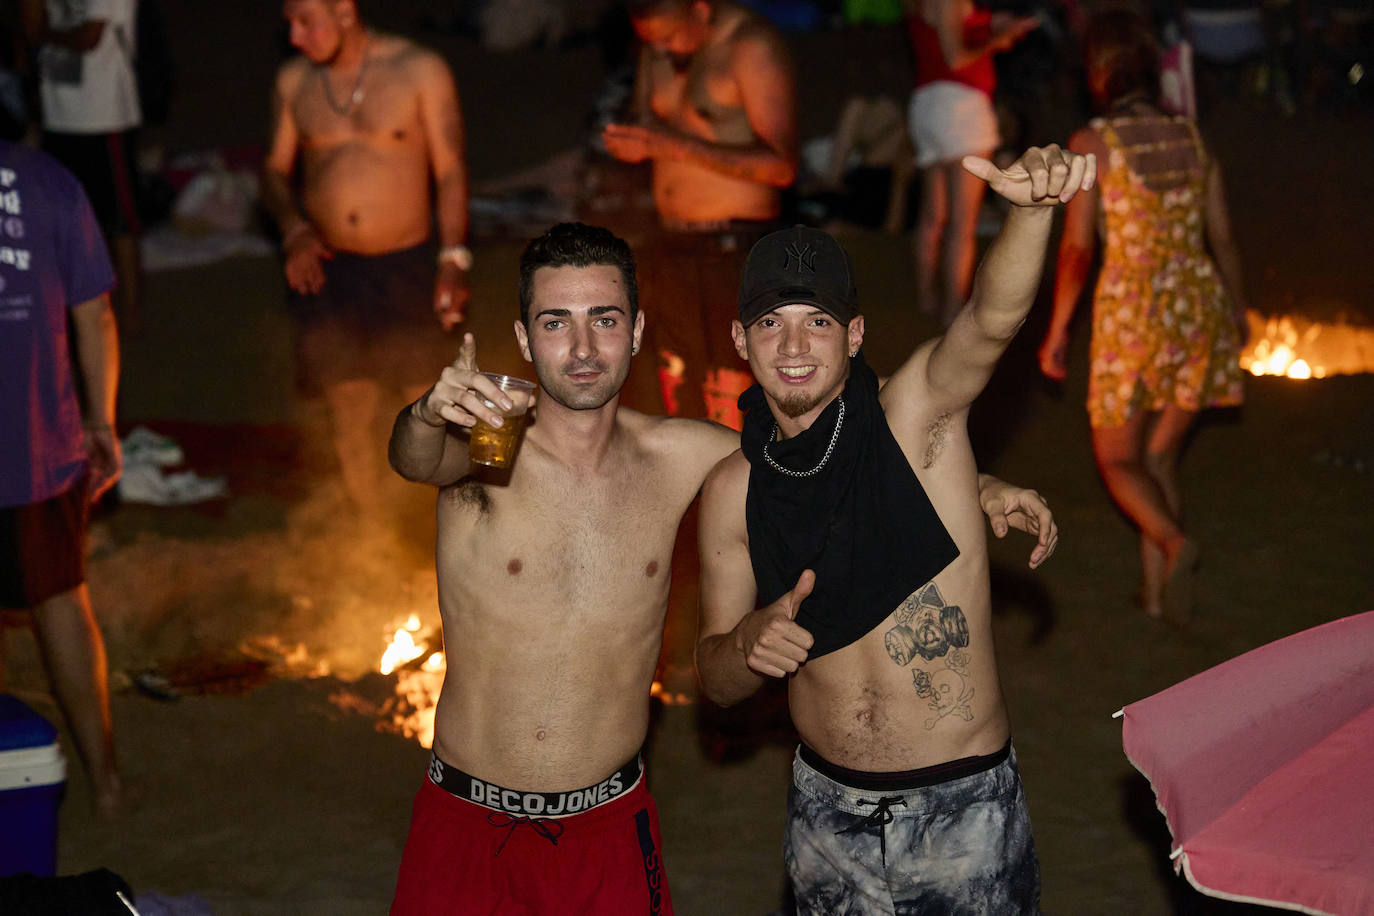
(634, 351)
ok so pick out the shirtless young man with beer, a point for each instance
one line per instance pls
(553, 588)
(851, 515)
(369, 120)
(716, 115)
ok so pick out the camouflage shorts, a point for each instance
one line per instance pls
(957, 847)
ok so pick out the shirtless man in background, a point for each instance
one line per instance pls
(716, 116)
(371, 118)
(876, 598)
(553, 588)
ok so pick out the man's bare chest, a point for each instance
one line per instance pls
(699, 98)
(330, 113)
(571, 535)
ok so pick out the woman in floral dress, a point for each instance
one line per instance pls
(1168, 317)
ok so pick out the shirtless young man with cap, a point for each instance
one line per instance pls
(370, 119)
(553, 589)
(851, 515)
(715, 114)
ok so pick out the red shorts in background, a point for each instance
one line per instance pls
(465, 858)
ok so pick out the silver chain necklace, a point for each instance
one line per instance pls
(834, 437)
(355, 97)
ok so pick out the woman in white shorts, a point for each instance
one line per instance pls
(950, 117)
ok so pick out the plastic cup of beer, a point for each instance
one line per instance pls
(494, 446)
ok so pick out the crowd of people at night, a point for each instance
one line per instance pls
(842, 515)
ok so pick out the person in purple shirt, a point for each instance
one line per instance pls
(58, 448)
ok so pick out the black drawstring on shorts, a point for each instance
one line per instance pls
(547, 827)
(881, 816)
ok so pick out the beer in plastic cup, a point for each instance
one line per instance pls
(494, 446)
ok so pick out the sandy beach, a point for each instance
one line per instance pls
(277, 782)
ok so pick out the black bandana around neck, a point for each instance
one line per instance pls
(851, 509)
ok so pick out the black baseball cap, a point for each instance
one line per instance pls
(797, 265)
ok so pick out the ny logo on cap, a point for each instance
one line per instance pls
(803, 252)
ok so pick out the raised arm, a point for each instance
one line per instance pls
(946, 376)
(423, 447)
(738, 646)
(1076, 246)
(442, 117)
(762, 70)
(947, 18)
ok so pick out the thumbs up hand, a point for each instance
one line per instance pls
(771, 640)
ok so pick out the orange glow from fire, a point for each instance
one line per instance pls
(1298, 348)
(402, 648)
(667, 697)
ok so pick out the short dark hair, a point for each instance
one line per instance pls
(577, 245)
(1121, 41)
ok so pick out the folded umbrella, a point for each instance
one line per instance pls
(1263, 767)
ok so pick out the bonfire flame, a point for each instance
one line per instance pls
(1298, 348)
(411, 710)
(402, 648)
(667, 697)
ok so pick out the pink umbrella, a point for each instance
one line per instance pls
(1263, 767)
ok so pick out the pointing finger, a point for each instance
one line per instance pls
(467, 353)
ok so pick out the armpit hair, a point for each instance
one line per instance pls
(471, 493)
(935, 435)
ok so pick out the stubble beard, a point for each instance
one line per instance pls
(795, 405)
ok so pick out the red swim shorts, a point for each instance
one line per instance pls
(465, 858)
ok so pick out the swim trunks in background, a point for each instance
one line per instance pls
(43, 547)
(689, 287)
(373, 319)
(465, 857)
(954, 838)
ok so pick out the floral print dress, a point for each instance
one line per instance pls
(1163, 331)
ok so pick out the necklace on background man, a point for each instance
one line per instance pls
(355, 97)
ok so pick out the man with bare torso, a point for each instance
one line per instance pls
(851, 515)
(371, 119)
(716, 116)
(553, 588)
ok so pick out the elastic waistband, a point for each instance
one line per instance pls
(534, 804)
(904, 780)
(425, 252)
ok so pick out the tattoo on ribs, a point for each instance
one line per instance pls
(936, 433)
(928, 627)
